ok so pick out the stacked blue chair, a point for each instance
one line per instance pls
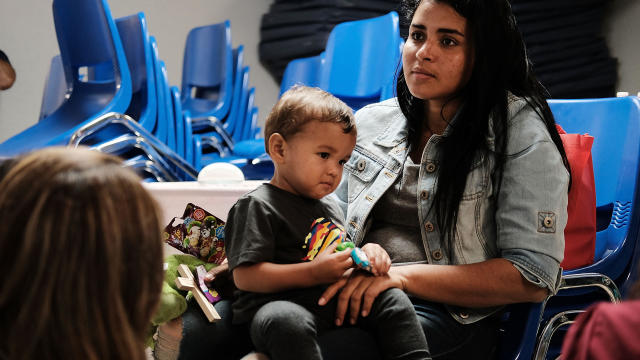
(137, 47)
(358, 64)
(56, 88)
(222, 136)
(207, 70)
(87, 37)
(615, 125)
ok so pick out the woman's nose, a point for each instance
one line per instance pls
(425, 51)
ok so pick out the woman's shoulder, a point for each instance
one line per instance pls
(525, 124)
(380, 112)
(376, 118)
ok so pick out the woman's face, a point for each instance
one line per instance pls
(436, 58)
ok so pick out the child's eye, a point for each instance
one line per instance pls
(342, 162)
(324, 155)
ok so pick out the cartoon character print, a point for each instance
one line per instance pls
(324, 232)
(205, 235)
(174, 234)
(193, 237)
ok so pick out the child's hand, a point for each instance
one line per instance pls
(378, 258)
(329, 265)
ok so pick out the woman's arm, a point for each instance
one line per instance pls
(489, 283)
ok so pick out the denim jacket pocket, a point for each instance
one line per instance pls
(477, 179)
(362, 170)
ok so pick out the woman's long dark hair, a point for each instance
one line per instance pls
(500, 67)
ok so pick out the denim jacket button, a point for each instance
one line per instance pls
(436, 254)
(431, 167)
(428, 226)
(424, 194)
(547, 222)
(361, 164)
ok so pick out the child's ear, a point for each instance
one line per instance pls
(277, 147)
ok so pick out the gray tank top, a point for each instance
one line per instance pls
(396, 226)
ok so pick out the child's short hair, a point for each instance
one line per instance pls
(302, 104)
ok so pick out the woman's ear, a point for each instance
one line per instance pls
(277, 147)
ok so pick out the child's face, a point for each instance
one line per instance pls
(314, 158)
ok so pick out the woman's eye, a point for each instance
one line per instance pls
(448, 42)
(417, 36)
(324, 155)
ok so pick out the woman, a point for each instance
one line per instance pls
(471, 141)
(81, 258)
(463, 180)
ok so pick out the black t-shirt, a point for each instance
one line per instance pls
(270, 225)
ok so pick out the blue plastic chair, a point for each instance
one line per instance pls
(135, 39)
(224, 134)
(88, 38)
(361, 57)
(303, 71)
(207, 71)
(615, 125)
(178, 121)
(56, 88)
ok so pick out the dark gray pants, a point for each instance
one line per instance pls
(290, 329)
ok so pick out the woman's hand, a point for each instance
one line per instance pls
(358, 290)
(378, 257)
(329, 266)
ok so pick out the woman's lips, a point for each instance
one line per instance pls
(424, 73)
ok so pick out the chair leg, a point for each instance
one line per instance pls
(559, 320)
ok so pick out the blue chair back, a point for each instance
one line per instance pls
(241, 113)
(56, 88)
(135, 40)
(615, 125)
(252, 124)
(188, 143)
(178, 121)
(304, 71)
(88, 38)
(166, 106)
(207, 71)
(361, 58)
(238, 88)
(160, 129)
(245, 130)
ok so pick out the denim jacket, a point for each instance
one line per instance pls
(523, 224)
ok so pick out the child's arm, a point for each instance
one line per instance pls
(378, 258)
(267, 277)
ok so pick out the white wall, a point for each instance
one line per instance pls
(27, 36)
(624, 43)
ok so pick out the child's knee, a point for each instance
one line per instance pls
(281, 318)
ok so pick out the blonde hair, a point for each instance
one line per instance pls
(80, 257)
(302, 104)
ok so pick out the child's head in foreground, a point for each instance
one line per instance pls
(310, 135)
(81, 254)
